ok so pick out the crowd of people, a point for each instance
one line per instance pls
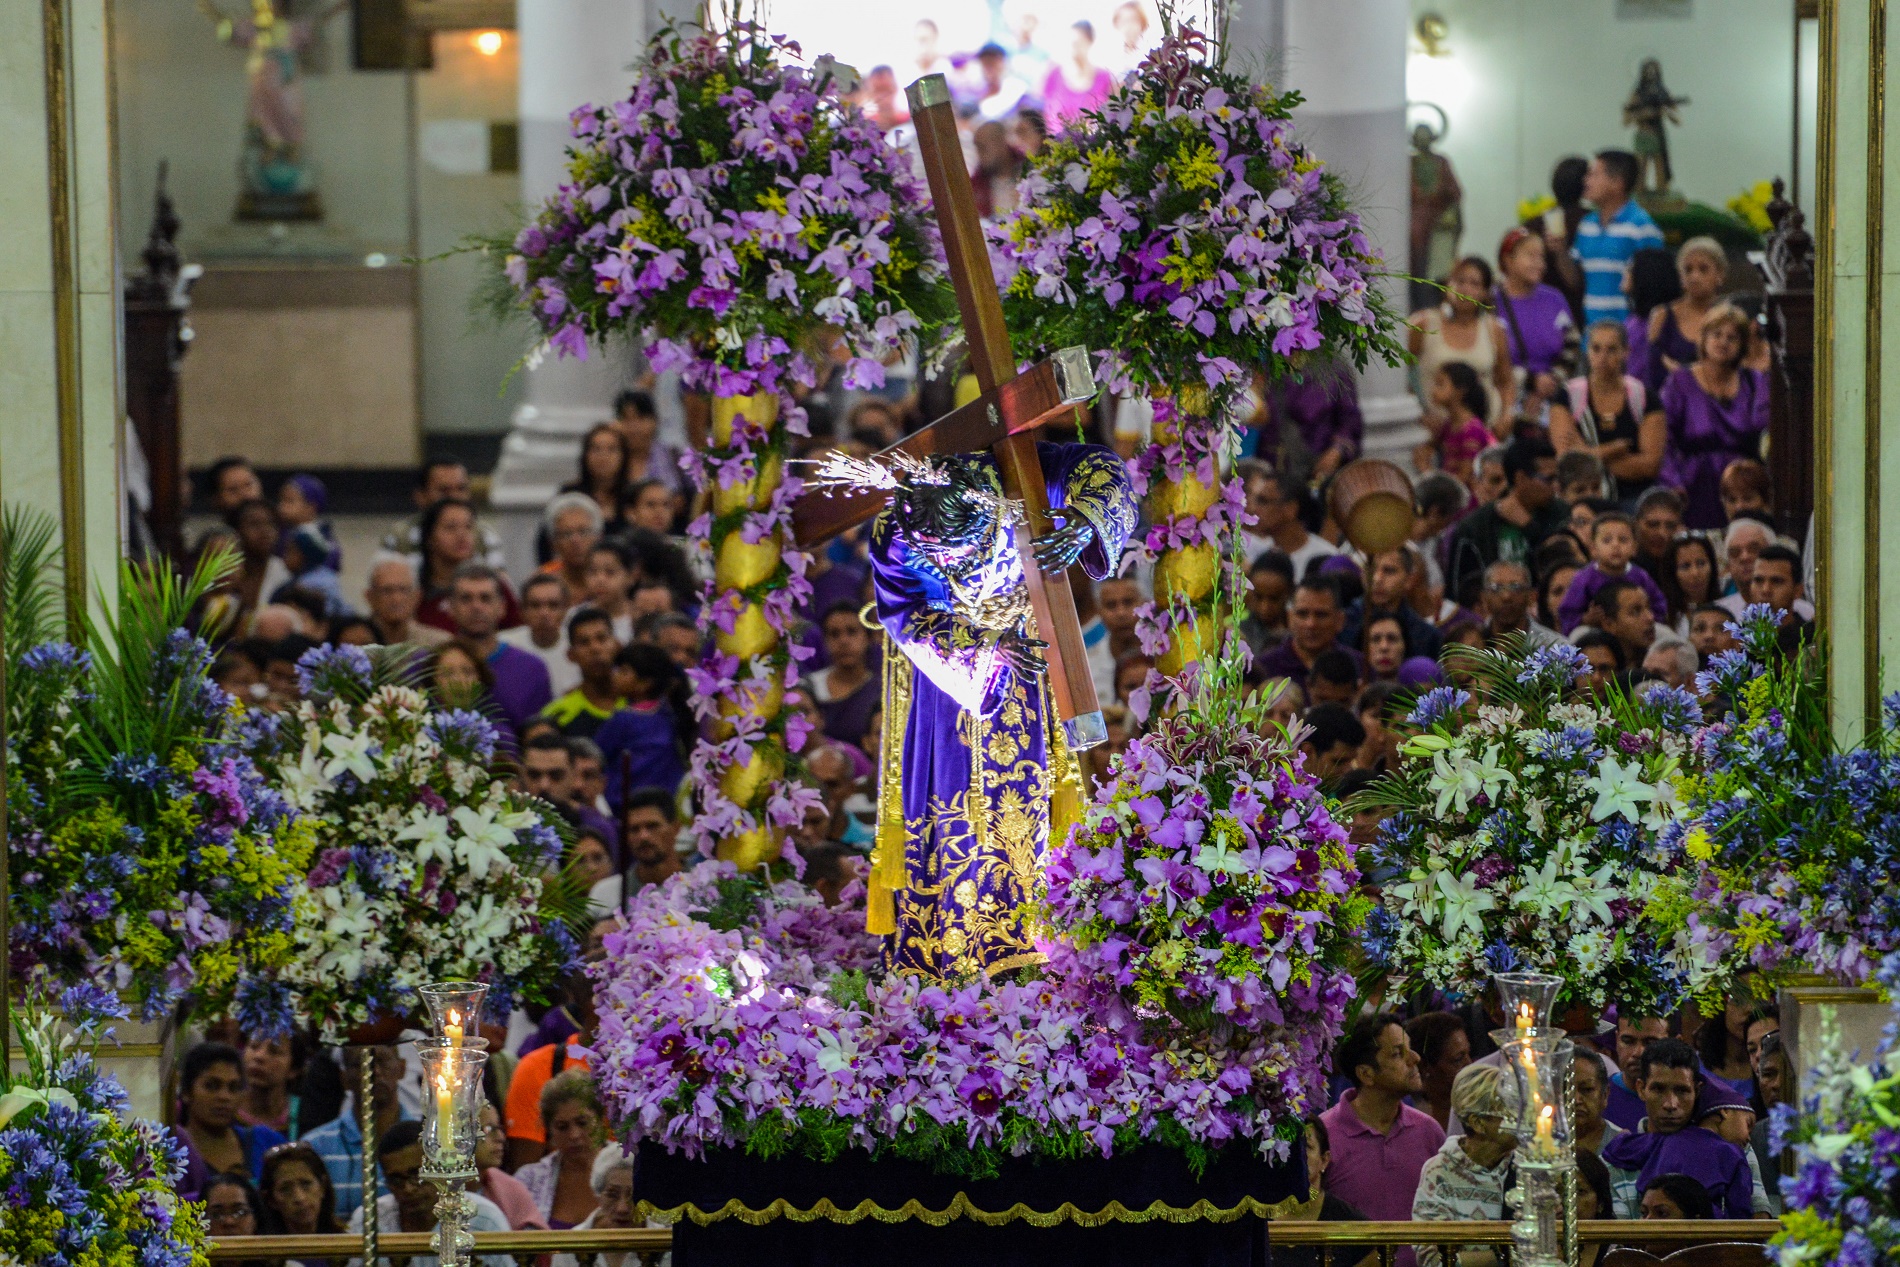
(1593, 473)
(1671, 1120)
(274, 1146)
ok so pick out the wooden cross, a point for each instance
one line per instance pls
(1001, 419)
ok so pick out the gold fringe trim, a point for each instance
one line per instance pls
(888, 867)
(1202, 1211)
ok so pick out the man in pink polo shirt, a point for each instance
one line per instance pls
(1380, 1143)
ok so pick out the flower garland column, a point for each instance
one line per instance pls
(746, 808)
(1191, 514)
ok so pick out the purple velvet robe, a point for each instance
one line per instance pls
(1705, 435)
(970, 766)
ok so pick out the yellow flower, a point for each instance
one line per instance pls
(1533, 208)
(1699, 844)
(1196, 167)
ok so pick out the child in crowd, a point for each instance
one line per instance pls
(306, 552)
(1456, 423)
(644, 744)
(1612, 546)
(1744, 486)
(610, 575)
(302, 500)
(1579, 476)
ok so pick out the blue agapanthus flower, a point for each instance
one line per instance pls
(1560, 663)
(465, 733)
(1677, 709)
(56, 659)
(87, 1006)
(1441, 703)
(1728, 673)
(325, 672)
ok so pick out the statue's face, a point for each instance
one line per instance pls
(945, 519)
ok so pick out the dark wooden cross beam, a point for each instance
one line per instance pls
(1001, 419)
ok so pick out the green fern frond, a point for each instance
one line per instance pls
(29, 578)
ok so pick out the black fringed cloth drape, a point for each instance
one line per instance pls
(1143, 1208)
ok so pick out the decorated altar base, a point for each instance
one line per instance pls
(1142, 1207)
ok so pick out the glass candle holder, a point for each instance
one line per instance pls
(1527, 999)
(1542, 1069)
(455, 1009)
(451, 1106)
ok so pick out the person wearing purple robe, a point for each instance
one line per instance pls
(972, 771)
(1313, 424)
(1668, 1142)
(1716, 411)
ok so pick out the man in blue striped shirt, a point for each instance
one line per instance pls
(1608, 236)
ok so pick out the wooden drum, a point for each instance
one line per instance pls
(1372, 501)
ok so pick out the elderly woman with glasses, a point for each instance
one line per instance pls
(612, 1180)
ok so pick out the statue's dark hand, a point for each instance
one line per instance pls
(1022, 654)
(1061, 547)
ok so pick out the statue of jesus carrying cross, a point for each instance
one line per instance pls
(971, 580)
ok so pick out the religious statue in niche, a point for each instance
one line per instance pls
(974, 773)
(1649, 109)
(1438, 218)
(277, 183)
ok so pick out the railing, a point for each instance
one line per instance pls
(1384, 1238)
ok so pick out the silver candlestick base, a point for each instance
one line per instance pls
(1540, 1231)
(454, 1210)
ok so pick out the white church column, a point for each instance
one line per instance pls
(573, 52)
(1347, 58)
(59, 283)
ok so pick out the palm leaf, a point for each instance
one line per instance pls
(29, 578)
(564, 897)
(141, 704)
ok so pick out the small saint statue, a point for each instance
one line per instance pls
(1438, 217)
(1648, 110)
(277, 180)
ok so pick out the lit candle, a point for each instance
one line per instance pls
(444, 1113)
(453, 1030)
(1546, 1142)
(1524, 1019)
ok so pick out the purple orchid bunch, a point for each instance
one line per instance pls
(737, 1012)
(1184, 234)
(733, 205)
(1186, 452)
(1208, 899)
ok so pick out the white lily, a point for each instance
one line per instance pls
(350, 754)
(1463, 904)
(1542, 891)
(1619, 790)
(434, 841)
(21, 1098)
(484, 842)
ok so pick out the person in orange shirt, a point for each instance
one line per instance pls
(527, 1137)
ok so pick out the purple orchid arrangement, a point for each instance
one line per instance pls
(1187, 1002)
(733, 205)
(1207, 901)
(1180, 229)
(1184, 234)
(733, 213)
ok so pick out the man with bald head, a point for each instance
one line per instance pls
(1743, 543)
(392, 597)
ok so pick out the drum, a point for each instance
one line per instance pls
(1372, 502)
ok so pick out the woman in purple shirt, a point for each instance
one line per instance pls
(1536, 319)
(1715, 410)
